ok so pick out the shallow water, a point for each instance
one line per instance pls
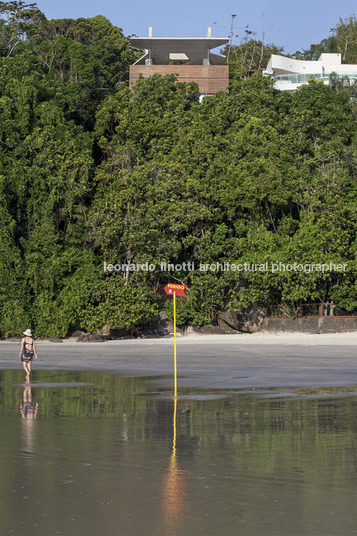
(101, 455)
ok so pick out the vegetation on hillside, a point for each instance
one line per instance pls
(92, 172)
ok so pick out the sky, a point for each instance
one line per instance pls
(294, 26)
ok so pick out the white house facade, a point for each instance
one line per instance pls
(289, 74)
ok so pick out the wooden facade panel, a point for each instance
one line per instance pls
(210, 78)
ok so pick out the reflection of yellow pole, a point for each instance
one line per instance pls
(173, 500)
(174, 436)
(175, 344)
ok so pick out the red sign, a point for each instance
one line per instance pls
(176, 288)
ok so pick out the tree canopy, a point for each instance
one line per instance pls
(342, 39)
(92, 172)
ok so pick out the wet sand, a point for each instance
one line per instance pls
(209, 361)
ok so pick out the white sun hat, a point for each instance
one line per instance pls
(28, 333)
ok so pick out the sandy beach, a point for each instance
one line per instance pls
(214, 361)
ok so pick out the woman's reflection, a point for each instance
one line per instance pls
(28, 410)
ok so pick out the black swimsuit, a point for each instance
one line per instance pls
(27, 352)
(29, 409)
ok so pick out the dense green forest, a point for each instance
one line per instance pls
(92, 172)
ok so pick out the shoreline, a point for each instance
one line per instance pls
(258, 360)
(259, 337)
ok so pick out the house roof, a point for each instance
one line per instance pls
(195, 48)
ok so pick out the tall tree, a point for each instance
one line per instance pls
(17, 19)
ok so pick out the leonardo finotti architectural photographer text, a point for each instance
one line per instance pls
(226, 267)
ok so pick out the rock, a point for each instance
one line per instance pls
(74, 336)
(77, 333)
(229, 318)
(84, 337)
(209, 329)
(172, 335)
(119, 334)
(89, 337)
(98, 337)
(248, 321)
(227, 329)
(163, 325)
(148, 334)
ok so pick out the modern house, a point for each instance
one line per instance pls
(189, 58)
(289, 74)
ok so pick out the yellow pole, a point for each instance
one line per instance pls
(175, 344)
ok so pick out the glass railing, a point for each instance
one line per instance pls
(301, 78)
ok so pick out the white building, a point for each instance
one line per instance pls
(289, 74)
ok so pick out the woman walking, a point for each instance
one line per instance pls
(28, 352)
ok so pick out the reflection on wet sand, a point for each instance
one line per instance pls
(103, 454)
(28, 410)
(173, 500)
